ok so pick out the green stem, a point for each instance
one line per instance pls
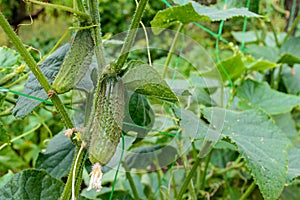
(275, 34)
(35, 70)
(278, 78)
(131, 182)
(203, 179)
(188, 178)
(19, 137)
(67, 193)
(65, 8)
(171, 51)
(96, 32)
(130, 36)
(248, 191)
(294, 25)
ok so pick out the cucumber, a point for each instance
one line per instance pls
(105, 129)
(76, 62)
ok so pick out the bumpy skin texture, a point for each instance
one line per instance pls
(76, 62)
(107, 123)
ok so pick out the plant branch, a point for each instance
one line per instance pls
(65, 8)
(248, 191)
(294, 25)
(35, 70)
(131, 182)
(96, 32)
(80, 158)
(170, 54)
(130, 36)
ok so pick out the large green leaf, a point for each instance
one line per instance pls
(9, 58)
(294, 164)
(49, 68)
(32, 185)
(58, 157)
(287, 124)
(142, 157)
(139, 116)
(193, 11)
(253, 94)
(263, 52)
(259, 64)
(11, 67)
(290, 51)
(262, 145)
(144, 79)
(291, 79)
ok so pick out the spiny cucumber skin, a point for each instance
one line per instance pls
(76, 62)
(107, 123)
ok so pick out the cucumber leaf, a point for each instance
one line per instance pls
(192, 12)
(32, 184)
(261, 143)
(144, 79)
(253, 94)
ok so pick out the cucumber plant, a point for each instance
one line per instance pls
(233, 132)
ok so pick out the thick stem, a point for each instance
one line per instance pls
(35, 70)
(96, 32)
(67, 193)
(130, 36)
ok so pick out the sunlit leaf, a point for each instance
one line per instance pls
(259, 95)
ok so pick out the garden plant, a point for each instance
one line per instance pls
(147, 99)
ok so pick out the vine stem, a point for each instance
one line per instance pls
(35, 70)
(169, 57)
(73, 187)
(290, 31)
(131, 182)
(248, 191)
(96, 32)
(65, 8)
(130, 36)
(188, 178)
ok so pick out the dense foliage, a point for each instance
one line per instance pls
(211, 102)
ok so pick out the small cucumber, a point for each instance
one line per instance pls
(106, 126)
(76, 62)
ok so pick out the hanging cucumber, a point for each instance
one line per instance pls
(105, 129)
(76, 62)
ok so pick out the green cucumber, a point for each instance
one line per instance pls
(106, 126)
(76, 62)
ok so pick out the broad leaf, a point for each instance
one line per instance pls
(57, 159)
(263, 52)
(234, 66)
(287, 124)
(291, 79)
(142, 157)
(49, 68)
(290, 51)
(144, 79)
(253, 94)
(262, 145)
(259, 64)
(248, 36)
(139, 116)
(32, 184)
(294, 164)
(9, 58)
(193, 11)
